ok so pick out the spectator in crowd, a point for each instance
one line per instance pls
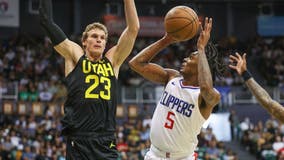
(212, 152)
(234, 124)
(278, 143)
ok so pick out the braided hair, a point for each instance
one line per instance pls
(215, 59)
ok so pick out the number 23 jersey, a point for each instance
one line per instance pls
(91, 101)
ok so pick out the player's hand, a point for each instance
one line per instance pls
(205, 33)
(169, 38)
(238, 63)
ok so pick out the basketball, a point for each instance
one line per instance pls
(182, 23)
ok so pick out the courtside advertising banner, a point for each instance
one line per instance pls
(9, 13)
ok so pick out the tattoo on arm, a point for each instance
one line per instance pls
(278, 111)
(273, 107)
(261, 95)
(151, 52)
(203, 69)
(151, 71)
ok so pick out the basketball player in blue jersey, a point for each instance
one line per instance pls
(239, 64)
(90, 109)
(188, 98)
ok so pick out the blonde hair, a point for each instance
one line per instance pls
(93, 26)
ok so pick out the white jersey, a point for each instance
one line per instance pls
(177, 120)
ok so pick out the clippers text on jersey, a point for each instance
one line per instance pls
(179, 105)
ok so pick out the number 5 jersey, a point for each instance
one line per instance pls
(177, 120)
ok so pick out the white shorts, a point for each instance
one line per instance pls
(150, 155)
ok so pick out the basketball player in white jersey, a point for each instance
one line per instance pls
(188, 98)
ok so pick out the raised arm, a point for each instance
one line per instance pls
(273, 107)
(46, 20)
(209, 97)
(68, 49)
(125, 44)
(151, 71)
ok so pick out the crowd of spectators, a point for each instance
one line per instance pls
(30, 137)
(267, 57)
(38, 73)
(265, 140)
(35, 61)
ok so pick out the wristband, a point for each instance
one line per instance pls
(246, 75)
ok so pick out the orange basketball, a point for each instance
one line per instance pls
(182, 23)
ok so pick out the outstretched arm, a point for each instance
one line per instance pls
(273, 107)
(151, 71)
(125, 44)
(71, 51)
(46, 20)
(209, 97)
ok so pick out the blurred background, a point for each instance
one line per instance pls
(32, 91)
